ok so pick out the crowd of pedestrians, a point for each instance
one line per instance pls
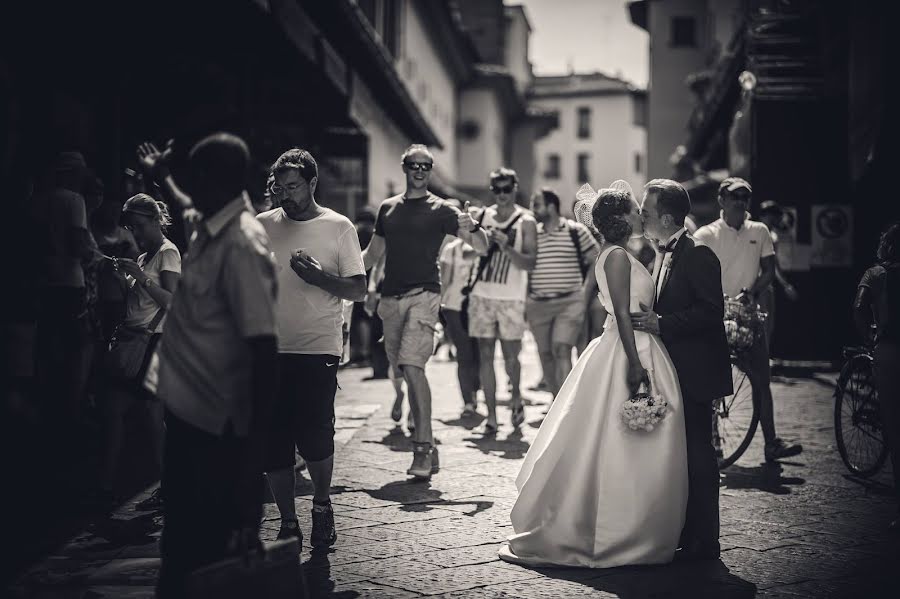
(240, 339)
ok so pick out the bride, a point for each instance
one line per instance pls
(592, 492)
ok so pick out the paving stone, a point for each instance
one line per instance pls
(384, 568)
(459, 556)
(127, 571)
(437, 582)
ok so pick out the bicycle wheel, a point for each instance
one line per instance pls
(735, 418)
(857, 418)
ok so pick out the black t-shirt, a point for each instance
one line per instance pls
(413, 231)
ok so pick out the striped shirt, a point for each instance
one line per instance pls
(557, 271)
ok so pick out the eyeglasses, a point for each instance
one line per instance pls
(418, 166)
(280, 189)
(504, 189)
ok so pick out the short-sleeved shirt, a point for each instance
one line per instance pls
(884, 285)
(501, 279)
(413, 230)
(739, 251)
(459, 268)
(558, 269)
(226, 295)
(310, 318)
(140, 307)
(59, 214)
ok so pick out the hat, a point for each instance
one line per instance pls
(733, 184)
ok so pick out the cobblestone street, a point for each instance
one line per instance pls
(799, 529)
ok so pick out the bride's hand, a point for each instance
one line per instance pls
(637, 374)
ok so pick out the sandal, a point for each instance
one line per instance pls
(490, 429)
(518, 415)
(397, 412)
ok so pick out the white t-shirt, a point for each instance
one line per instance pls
(739, 251)
(140, 308)
(501, 279)
(310, 319)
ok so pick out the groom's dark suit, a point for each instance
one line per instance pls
(692, 310)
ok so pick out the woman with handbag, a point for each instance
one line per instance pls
(151, 281)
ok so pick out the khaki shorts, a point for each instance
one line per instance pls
(409, 324)
(496, 318)
(558, 321)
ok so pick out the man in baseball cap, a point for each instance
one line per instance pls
(745, 250)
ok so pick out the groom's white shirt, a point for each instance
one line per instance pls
(663, 260)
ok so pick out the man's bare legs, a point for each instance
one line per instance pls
(511, 350)
(419, 402)
(562, 360)
(488, 378)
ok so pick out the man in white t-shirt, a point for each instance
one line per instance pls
(497, 292)
(319, 265)
(744, 248)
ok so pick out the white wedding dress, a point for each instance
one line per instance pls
(592, 492)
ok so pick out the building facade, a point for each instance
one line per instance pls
(601, 135)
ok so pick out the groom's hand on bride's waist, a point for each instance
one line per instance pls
(646, 321)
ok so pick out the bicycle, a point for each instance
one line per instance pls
(857, 415)
(736, 416)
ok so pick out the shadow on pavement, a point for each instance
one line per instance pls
(421, 497)
(765, 477)
(875, 487)
(512, 447)
(317, 574)
(710, 579)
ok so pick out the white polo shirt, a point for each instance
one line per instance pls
(739, 251)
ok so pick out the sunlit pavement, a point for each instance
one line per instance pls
(802, 528)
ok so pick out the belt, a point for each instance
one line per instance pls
(551, 297)
(410, 293)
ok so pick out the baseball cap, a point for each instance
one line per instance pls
(733, 184)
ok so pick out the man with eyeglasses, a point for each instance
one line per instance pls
(409, 231)
(744, 248)
(319, 265)
(497, 292)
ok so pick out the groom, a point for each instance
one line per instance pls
(688, 314)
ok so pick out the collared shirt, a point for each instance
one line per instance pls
(664, 260)
(556, 269)
(739, 251)
(226, 295)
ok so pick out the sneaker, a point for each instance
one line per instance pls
(290, 529)
(154, 503)
(778, 449)
(540, 386)
(422, 466)
(323, 532)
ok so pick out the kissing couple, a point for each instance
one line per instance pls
(592, 491)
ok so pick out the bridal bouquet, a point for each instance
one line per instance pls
(644, 411)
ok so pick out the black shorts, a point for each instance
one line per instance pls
(304, 410)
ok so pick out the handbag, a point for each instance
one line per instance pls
(273, 572)
(128, 348)
(479, 270)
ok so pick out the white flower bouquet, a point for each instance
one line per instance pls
(643, 411)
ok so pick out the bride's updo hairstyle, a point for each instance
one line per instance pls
(610, 214)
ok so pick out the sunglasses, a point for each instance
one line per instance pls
(504, 189)
(418, 166)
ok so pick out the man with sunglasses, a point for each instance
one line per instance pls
(409, 231)
(744, 248)
(497, 292)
